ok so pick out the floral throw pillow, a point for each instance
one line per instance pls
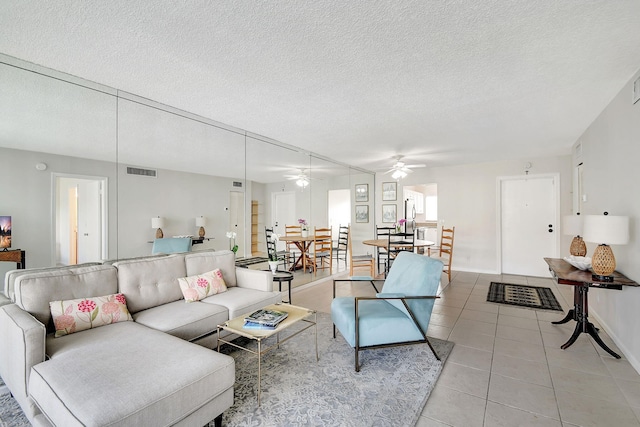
(195, 288)
(80, 314)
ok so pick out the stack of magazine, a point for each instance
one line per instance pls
(264, 319)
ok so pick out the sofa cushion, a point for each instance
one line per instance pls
(186, 321)
(195, 288)
(201, 262)
(34, 291)
(151, 282)
(85, 313)
(241, 301)
(127, 374)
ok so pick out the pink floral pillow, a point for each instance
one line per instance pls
(86, 313)
(195, 288)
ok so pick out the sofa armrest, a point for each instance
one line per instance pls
(22, 345)
(254, 279)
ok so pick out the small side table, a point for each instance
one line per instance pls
(17, 256)
(283, 276)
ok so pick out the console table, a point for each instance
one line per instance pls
(17, 256)
(581, 280)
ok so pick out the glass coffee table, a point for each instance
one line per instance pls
(296, 315)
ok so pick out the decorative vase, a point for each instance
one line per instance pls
(273, 265)
(305, 233)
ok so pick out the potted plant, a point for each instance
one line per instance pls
(400, 224)
(305, 227)
(231, 235)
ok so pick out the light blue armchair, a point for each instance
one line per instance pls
(171, 245)
(398, 315)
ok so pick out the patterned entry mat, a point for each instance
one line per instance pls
(526, 296)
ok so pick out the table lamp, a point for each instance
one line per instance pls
(605, 230)
(201, 222)
(158, 223)
(572, 226)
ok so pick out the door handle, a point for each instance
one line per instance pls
(550, 228)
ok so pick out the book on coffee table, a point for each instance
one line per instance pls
(254, 325)
(267, 317)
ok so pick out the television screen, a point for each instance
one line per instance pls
(5, 232)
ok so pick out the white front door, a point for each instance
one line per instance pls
(529, 223)
(284, 213)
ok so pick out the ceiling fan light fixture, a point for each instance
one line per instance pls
(302, 182)
(398, 174)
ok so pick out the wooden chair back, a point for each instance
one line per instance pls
(322, 249)
(446, 249)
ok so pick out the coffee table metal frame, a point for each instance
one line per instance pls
(296, 315)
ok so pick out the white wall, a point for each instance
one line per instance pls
(610, 153)
(467, 200)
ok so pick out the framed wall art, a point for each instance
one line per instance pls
(389, 191)
(389, 214)
(362, 193)
(362, 213)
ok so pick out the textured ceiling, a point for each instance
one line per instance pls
(441, 82)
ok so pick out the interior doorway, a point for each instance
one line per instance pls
(339, 210)
(529, 218)
(80, 219)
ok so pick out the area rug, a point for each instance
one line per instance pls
(244, 262)
(522, 295)
(391, 388)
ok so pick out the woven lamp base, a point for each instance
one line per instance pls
(159, 233)
(201, 232)
(603, 263)
(578, 247)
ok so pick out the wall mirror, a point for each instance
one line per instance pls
(108, 162)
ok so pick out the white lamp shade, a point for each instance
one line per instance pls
(606, 229)
(572, 225)
(157, 222)
(201, 221)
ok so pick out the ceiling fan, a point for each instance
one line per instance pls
(302, 179)
(400, 169)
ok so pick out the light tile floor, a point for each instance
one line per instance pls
(507, 368)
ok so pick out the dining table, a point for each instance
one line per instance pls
(303, 244)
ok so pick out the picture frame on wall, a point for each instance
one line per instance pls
(389, 214)
(362, 193)
(362, 213)
(389, 191)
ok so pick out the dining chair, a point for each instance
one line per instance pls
(322, 249)
(397, 243)
(272, 250)
(381, 253)
(399, 315)
(445, 250)
(290, 248)
(342, 244)
(360, 261)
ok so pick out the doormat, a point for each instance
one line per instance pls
(243, 262)
(525, 296)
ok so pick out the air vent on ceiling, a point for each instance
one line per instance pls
(237, 184)
(142, 172)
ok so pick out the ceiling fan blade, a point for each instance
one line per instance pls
(389, 171)
(415, 166)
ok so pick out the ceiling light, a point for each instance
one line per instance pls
(302, 182)
(398, 174)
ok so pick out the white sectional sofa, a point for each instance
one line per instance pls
(145, 372)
